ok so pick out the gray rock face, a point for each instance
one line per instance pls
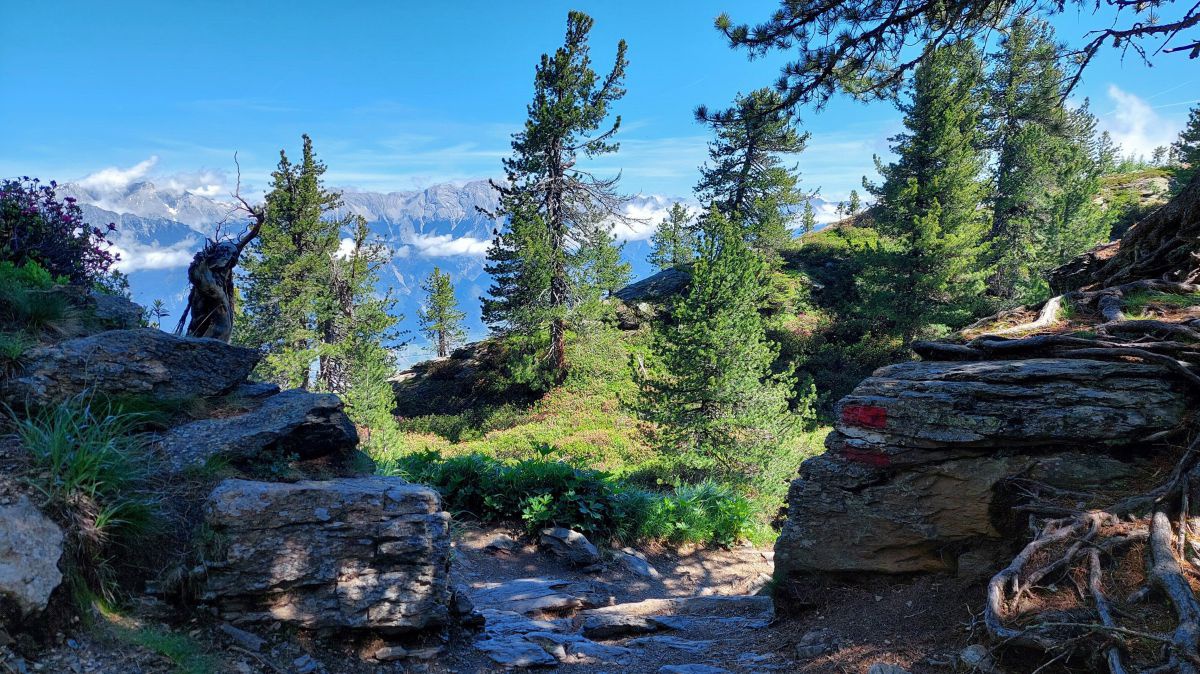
(130, 362)
(369, 553)
(114, 312)
(570, 546)
(30, 547)
(920, 452)
(307, 425)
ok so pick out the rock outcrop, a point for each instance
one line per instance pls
(129, 362)
(369, 553)
(293, 423)
(914, 472)
(30, 547)
(570, 546)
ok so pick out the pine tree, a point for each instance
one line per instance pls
(286, 271)
(808, 218)
(855, 203)
(596, 271)
(440, 318)
(718, 404)
(930, 259)
(1048, 160)
(546, 190)
(745, 177)
(355, 321)
(674, 240)
(1187, 148)
(310, 297)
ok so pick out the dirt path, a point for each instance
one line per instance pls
(701, 610)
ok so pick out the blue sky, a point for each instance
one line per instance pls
(399, 95)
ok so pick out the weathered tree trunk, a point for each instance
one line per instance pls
(210, 301)
(1166, 245)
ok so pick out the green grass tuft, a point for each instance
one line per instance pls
(91, 470)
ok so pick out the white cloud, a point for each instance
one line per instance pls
(445, 245)
(204, 183)
(643, 215)
(345, 249)
(114, 178)
(1135, 125)
(136, 256)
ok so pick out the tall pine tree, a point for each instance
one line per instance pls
(930, 258)
(548, 199)
(286, 271)
(440, 319)
(1048, 162)
(746, 178)
(718, 403)
(674, 239)
(309, 284)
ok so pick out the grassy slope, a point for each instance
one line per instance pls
(587, 422)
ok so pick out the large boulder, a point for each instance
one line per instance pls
(129, 362)
(370, 553)
(293, 423)
(914, 471)
(30, 547)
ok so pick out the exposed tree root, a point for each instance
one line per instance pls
(1025, 599)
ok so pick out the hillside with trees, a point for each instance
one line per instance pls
(953, 430)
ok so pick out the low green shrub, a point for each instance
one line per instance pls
(543, 492)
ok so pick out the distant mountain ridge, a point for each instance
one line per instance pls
(160, 228)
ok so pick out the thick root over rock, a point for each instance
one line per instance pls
(1112, 586)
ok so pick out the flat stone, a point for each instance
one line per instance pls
(501, 543)
(570, 546)
(129, 362)
(532, 595)
(247, 640)
(636, 563)
(293, 423)
(30, 547)
(671, 642)
(732, 607)
(516, 651)
(816, 643)
(617, 625)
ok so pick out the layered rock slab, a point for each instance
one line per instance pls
(912, 473)
(129, 362)
(292, 423)
(369, 553)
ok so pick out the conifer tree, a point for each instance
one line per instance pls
(597, 271)
(674, 239)
(855, 204)
(929, 267)
(808, 218)
(548, 197)
(1187, 148)
(745, 177)
(718, 403)
(440, 318)
(1047, 165)
(310, 298)
(286, 270)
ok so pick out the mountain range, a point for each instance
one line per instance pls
(159, 229)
